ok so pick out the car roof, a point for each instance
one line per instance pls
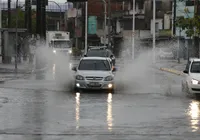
(97, 47)
(94, 58)
(196, 60)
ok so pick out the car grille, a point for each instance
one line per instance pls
(96, 86)
(94, 78)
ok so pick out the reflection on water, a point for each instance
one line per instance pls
(193, 112)
(54, 71)
(109, 112)
(77, 109)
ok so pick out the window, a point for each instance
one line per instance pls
(189, 3)
(158, 5)
(102, 65)
(60, 44)
(195, 68)
(157, 27)
(128, 25)
(141, 4)
(100, 24)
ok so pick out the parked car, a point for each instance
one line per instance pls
(94, 73)
(191, 82)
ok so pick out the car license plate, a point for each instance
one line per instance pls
(94, 84)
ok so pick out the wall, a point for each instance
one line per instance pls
(167, 21)
(180, 11)
(96, 7)
(142, 34)
(159, 27)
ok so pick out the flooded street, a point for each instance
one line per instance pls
(34, 109)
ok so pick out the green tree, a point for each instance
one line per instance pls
(20, 20)
(190, 25)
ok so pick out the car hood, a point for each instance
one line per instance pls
(195, 76)
(94, 73)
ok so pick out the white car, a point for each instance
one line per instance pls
(191, 82)
(94, 73)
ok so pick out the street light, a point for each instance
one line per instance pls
(60, 11)
(105, 16)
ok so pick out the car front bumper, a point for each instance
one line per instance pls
(195, 89)
(82, 84)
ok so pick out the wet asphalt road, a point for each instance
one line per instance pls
(41, 109)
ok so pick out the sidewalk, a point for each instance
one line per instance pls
(172, 66)
(23, 67)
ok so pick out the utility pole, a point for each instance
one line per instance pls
(109, 24)
(76, 24)
(178, 51)
(105, 18)
(86, 25)
(196, 38)
(9, 14)
(38, 17)
(133, 32)
(29, 17)
(154, 30)
(26, 14)
(16, 36)
(43, 19)
(174, 18)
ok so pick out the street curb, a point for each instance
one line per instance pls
(173, 71)
(3, 80)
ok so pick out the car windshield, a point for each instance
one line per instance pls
(195, 67)
(97, 53)
(102, 65)
(61, 44)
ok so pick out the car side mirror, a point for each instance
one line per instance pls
(74, 68)
(85, 55)
(185, 71)
(114, 69)
(111, 56)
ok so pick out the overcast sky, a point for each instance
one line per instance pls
(59, 1)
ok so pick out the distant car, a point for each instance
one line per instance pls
(98, 47)
(94, 73)
(101, 53)
(191, 82)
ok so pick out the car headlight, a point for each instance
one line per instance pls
(194, 82)
(70, 51)
(79, 77)
(109, 78)
(54, 51)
